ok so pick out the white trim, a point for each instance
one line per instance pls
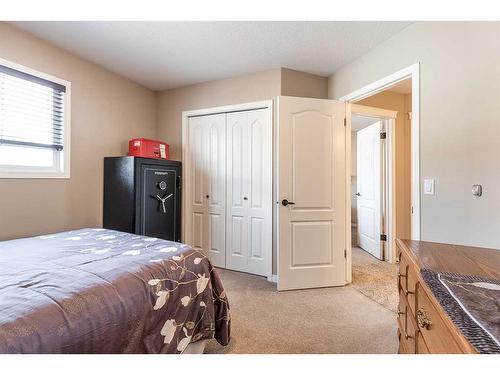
(390, 184)
(348, 192)
(373, 88)
(273, 278)
(186, 209)
(62, 172)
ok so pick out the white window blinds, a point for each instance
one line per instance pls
(31, 110)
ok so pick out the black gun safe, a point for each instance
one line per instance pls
(143, 196)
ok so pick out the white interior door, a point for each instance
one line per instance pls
(249, 191)
(312, 178)
(369, 183)
(207, 145)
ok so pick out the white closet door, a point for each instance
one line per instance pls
(197, 146)
(249, 191)
(207, 150)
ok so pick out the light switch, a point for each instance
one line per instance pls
(429, 186)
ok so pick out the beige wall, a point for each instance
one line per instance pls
(242, 89)
(295, 83)
(398, 102)
(106, 110)
(459, 114)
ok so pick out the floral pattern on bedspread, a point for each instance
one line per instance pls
(102, 291)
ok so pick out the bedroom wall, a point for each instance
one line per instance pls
(242, 89)
(106, 111)
(296, 83)
(459, 131)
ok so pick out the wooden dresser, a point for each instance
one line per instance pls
(424, 326)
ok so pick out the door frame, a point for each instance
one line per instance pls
(413, 72)
(186, 170)
(389, 199)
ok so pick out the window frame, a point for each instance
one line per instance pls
(62, 162)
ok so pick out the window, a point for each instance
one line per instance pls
(34, 124)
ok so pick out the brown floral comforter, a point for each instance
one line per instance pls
(102, 291)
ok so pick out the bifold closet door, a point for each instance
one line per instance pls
(249, 191)
(207, 145)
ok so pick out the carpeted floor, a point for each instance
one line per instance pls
(327, 320)
(375, 279)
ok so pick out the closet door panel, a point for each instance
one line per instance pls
(260, 198)
(207, 190)
(197, 187)
(249, 198)
(215, 192)
(237, 167)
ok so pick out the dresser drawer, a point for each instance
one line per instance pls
(437, 337)
(421, 346)
(407, 329)
(407, 280)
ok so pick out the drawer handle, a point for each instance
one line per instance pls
(407, 336)
(408, 292)
(422, 319)
(401, 274)
(400, 313)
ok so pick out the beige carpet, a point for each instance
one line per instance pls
(328, 320)
(375, 279)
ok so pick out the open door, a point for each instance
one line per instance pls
(311, 193)
(369, 189)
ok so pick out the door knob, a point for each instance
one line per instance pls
(245, 198)
(358, 194)
(285, 202)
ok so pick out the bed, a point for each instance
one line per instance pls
(95, 290)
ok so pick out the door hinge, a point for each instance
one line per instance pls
(345, 253)
(345, 122)
(383, 135)
(383, 237)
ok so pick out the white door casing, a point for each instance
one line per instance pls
(312, 175)
(249, 191)
(369, 189)
(208, 185)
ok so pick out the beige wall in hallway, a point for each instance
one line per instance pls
(459, 116)
(397, 102)
(106, 111)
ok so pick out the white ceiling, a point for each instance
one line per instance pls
(360, 122)
(162, 55)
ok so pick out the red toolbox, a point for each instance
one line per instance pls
(148, 148)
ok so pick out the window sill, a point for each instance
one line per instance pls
(34, 175)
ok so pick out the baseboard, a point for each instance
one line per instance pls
(272, 278)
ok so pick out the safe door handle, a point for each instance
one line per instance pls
(285, 202)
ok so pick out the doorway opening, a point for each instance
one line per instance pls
(381, 188)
